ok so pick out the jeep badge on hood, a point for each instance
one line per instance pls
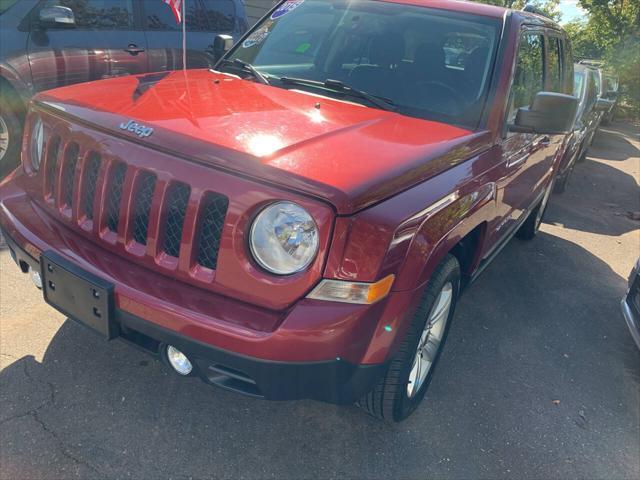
(141, 130)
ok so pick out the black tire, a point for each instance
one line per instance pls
(583, 155)
(11, 116)
(561, 183)
(389, 399)
(531, 225)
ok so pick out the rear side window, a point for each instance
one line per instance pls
(99, 14)
(202, 16)
(554, 66)
(529, 74)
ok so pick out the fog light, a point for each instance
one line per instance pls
(178, 361)
(36, 279)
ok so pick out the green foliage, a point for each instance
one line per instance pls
(609, 32)
(612, 33)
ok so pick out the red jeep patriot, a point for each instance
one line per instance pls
(298, 222)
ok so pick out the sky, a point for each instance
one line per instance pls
(571, 11)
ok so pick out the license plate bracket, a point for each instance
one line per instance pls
(80, 295)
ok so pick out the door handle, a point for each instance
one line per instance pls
(133, 49)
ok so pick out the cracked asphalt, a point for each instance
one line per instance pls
(539, 378)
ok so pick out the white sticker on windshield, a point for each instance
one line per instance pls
(256, 37)
(285, 8)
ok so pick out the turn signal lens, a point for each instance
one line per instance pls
(352, 292)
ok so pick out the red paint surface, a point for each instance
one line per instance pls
(272, 134)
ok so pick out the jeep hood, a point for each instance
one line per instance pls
(345, 153)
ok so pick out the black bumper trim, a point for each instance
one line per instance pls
(333, 381)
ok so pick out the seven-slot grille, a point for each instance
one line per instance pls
(84, 187)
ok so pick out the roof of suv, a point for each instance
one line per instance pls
(480, 9)
(458, 5)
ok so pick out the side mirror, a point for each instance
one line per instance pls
(57, 16)
(221, 45)
(549, 113)
(602, 105)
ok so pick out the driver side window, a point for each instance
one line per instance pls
(529, 74)
(99, 14)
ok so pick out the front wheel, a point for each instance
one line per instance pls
(10, 134)
(399, 392)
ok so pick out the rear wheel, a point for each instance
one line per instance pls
(531, 225)
(583, 155)
(561, 183)
(400, 391)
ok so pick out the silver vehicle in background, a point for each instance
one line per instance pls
(608, 85)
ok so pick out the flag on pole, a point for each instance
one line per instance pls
(176, 8)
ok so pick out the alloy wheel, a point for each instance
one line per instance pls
(430, 340)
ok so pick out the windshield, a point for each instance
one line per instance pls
(427, 63)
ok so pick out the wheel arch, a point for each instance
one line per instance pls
(459, 229)
(15, 98)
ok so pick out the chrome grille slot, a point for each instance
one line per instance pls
(211, 221)
(92, 170)
(176, 210)
(52, 164)
(146, 184)
(69, 173)
(114, 198)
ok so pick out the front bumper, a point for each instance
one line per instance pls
(334, 381)
(320, 350)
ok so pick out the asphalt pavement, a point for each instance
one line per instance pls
(539, 378)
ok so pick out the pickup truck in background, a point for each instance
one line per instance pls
(52, 43)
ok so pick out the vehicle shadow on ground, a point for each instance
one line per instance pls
(610, 143)
(97, 409)
(598, 199)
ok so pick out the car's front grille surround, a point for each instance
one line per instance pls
(121, 203)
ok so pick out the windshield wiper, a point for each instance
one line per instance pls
(246, 67)
(341, 87)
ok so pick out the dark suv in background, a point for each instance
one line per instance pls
(51, 43)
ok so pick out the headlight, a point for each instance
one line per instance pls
(37, 143)
(284, 238)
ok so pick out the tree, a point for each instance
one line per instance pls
(610, 32)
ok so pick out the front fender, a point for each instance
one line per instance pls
(442, 229)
